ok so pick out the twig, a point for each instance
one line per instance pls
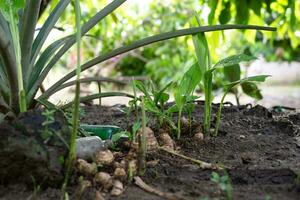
(202, 164)
(169, 196)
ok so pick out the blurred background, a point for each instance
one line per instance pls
(278, 52)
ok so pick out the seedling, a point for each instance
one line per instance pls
(185, 91)
(205, 71)
(228, 87)
(155, 102)
(142, 140)
(224, 183)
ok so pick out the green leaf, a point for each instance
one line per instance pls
(225, 14)
(251, 90)
(233, 60)
(242, 14)
(190, 80)
(46, 28)
(213, 6)
(232, 72)
(256, 6)
(116, 137)
(140, 43)
(161, 95)
(258, 78)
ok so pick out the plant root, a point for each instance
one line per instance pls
(201, 164)
(169, 196)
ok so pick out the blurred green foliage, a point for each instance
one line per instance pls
(166, 61)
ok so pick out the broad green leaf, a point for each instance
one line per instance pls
(242, 14)
(161, 95)
(258, 78)
(190, 80)
(116, 137)
(225, 14)
(202, 52)
(256, 6)
(232, 72)
(235, 59)
(251, 90)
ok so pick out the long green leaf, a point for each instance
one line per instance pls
(144, 42)
(85, 28)
(91, 79)
(29, 19)
(99, 95)
(10, 66)
(42, 61)
(46, 28)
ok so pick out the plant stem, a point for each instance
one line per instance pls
(219, 114)
(17, 49)
(179, 123)
(75, 119)
(142, 143)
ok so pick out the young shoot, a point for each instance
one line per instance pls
(75, 119)
(228, 87)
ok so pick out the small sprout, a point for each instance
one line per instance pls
(224, 183)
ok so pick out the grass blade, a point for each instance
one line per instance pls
(144, 42)
(99, 95)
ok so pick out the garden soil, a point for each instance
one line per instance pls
(260, 149)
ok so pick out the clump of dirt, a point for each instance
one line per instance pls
(258, 148)
(32, 153)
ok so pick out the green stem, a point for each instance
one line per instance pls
(142, 144)
(75, 119)
(219, 114)
(15, 37)
(179, 123)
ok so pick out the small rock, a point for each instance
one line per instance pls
(87, 146)
(104, 157)
(85, 167)
(152, 143)
(120, 173)
(85, 183)
(118, 188)
(166, 141)
(104, 180)
(242, 136)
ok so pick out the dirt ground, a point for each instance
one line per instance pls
(260, 149)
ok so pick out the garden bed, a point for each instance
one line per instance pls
(259, 148)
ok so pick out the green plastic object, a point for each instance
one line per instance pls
(105, 132)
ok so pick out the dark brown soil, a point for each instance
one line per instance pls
(259, 148)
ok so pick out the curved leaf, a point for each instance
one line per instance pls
(144, 42)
